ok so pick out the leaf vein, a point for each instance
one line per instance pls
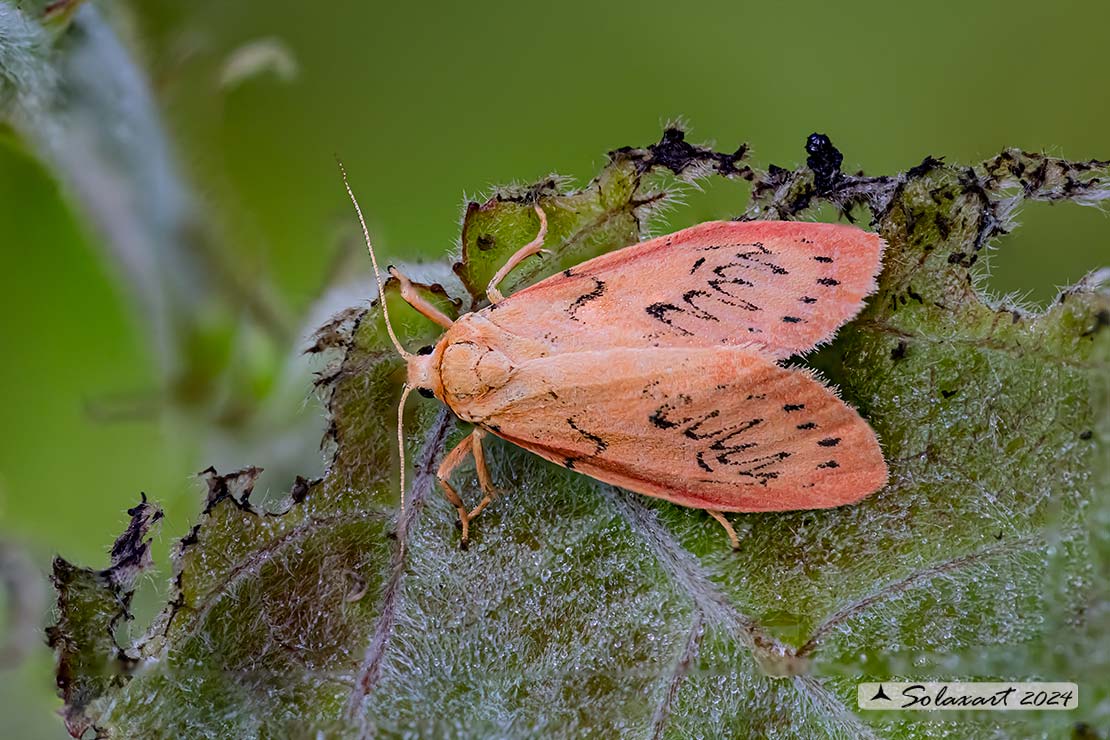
(423, 480)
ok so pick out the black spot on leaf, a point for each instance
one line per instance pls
(825, 160)
(927, 165)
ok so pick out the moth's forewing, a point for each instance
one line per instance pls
(713, 428)
(653, 367)
(781, 287)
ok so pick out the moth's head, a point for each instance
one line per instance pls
(423, 371)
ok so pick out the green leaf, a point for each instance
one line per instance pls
(583, 609)
(606, 215)
(91, 606)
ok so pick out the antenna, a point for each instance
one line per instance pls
(374, 261)
(396, 343)
(401, 448)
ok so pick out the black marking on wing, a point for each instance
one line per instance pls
(582, 300)
(600, 443)
(659, 311)
(750, 256)
(793, 407)
(725, 446)
(699, 263)
(756, 245)
(698, 312)
(719, 436)
(807, 299)
(757, 467)
(807, 425)
(793, 320)
(659, 419)
(830, 282)
(829, 442)
(821, 258)
(829, 464)
(724, 279)
(694, 430)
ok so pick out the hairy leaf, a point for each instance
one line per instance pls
(606, 215)
(583, 609)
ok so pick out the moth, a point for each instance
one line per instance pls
(656, 368)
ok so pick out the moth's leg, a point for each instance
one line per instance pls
(453, 460)
(484, 478)
(417, 301)
(732, 538)
(533, 247)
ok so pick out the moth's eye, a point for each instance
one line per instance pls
(425, 350)
(426, 392)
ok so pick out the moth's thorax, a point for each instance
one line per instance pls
(470, 369)
(475, 359)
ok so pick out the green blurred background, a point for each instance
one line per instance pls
(426, 102)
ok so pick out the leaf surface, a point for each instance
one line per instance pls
(581, 609)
